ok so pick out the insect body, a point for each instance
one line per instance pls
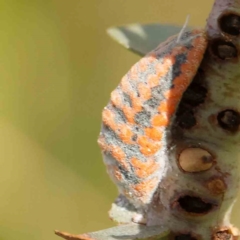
(137, 123)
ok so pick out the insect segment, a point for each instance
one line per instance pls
(136, 124)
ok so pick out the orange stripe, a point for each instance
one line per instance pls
(136, 104)
(119, 155)
(151, 57)
(126, 134)
(124, 131)
(129, 114)
(163, 68)
(102, 143)
(160, 120)
(113, 171)
(200, 41)
(178, 50)
(196, 56)
(144, 189)
(125, 84)
(144, 91)
(147, 147)
(143, 64)
(152, 80)
(117, 174)
(189, 69)
(116, 98)
(181, 82)
(144, 169)
(108, 118)
(153, 134)
(168, 107)
(175, 93)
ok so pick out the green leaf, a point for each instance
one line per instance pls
(123, 232)
(142, 38)
(122, 211)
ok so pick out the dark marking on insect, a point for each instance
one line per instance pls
(128, 175)
(152, 103)
(134, 137)
(110, 136)
(143, 118)
(157, 92)
(120, 116)
(180, 59)
(127, 100)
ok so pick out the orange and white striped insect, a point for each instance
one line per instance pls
(137, 123)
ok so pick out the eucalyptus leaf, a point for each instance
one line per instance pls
(142, 38)
(123, 232)
(122, 211)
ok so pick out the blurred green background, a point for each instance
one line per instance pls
(57, 69)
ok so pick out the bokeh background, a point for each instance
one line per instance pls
(57, 69)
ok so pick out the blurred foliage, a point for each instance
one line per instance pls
(142, 38)
(57, 70)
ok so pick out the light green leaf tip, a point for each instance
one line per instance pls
(131, 232)
(142, 38)
(123, 232)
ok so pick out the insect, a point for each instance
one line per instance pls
(138, 118)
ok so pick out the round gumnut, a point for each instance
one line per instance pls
(194, 205)
(230, 23)
(194, 160)
(229, 120)
(216, 186)
(223, 235)
(224, 50)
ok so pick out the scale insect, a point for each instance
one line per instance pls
(136, 124)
